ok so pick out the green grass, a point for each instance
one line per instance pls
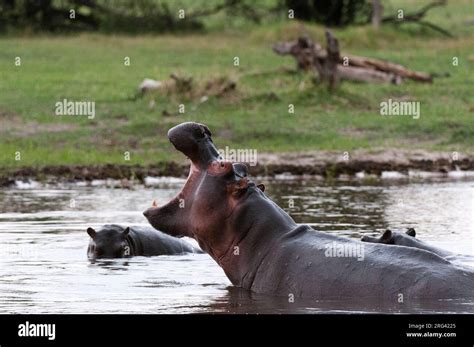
(90, 67)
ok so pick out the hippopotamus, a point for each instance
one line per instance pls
(115, 241)
(408, 239)
(262, 249)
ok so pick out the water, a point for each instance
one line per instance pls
(44, 268)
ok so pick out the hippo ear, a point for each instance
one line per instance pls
(261, 187)
(386, 236)
(91, 233)
(125, 232)
(205, 129)
(411, 232)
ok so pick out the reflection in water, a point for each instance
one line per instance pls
(44, 267)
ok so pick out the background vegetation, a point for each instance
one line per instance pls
(90, 66)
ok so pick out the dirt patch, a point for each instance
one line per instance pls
(15, 125)
(323, 163)
(178, 85)
(91, 172)
(374, 162)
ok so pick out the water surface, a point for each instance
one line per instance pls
(44, 268)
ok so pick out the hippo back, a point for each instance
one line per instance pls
(148, 241)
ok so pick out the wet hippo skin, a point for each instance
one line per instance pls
(261, 248)
(115, 241)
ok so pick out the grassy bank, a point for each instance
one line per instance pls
(91, 67)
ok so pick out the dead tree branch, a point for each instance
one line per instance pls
(332, 66)
(417, 16)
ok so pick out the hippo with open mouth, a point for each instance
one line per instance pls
(115, 241)
(262, 249)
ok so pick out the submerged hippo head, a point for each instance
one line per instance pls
(393, 238)
(109, 242)
(407, 239)
(213, 201)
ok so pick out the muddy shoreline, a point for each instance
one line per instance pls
(319, 163)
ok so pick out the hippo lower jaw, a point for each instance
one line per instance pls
(169, 217)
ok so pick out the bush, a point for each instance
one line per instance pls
(331, 12)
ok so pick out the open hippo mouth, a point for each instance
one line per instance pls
(211, 180)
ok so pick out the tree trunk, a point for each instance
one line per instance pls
(332, 61)
(377, 13)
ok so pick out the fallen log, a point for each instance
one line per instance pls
(358, 74)
(311, 56)
(387, 66)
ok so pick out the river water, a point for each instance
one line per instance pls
(44, 268)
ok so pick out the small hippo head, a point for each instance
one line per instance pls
(393, 238)
(208, 203)
(109, 242)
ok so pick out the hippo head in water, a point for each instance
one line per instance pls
(109, 242)
(407, 239)
(212, 203)
(393, 238)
